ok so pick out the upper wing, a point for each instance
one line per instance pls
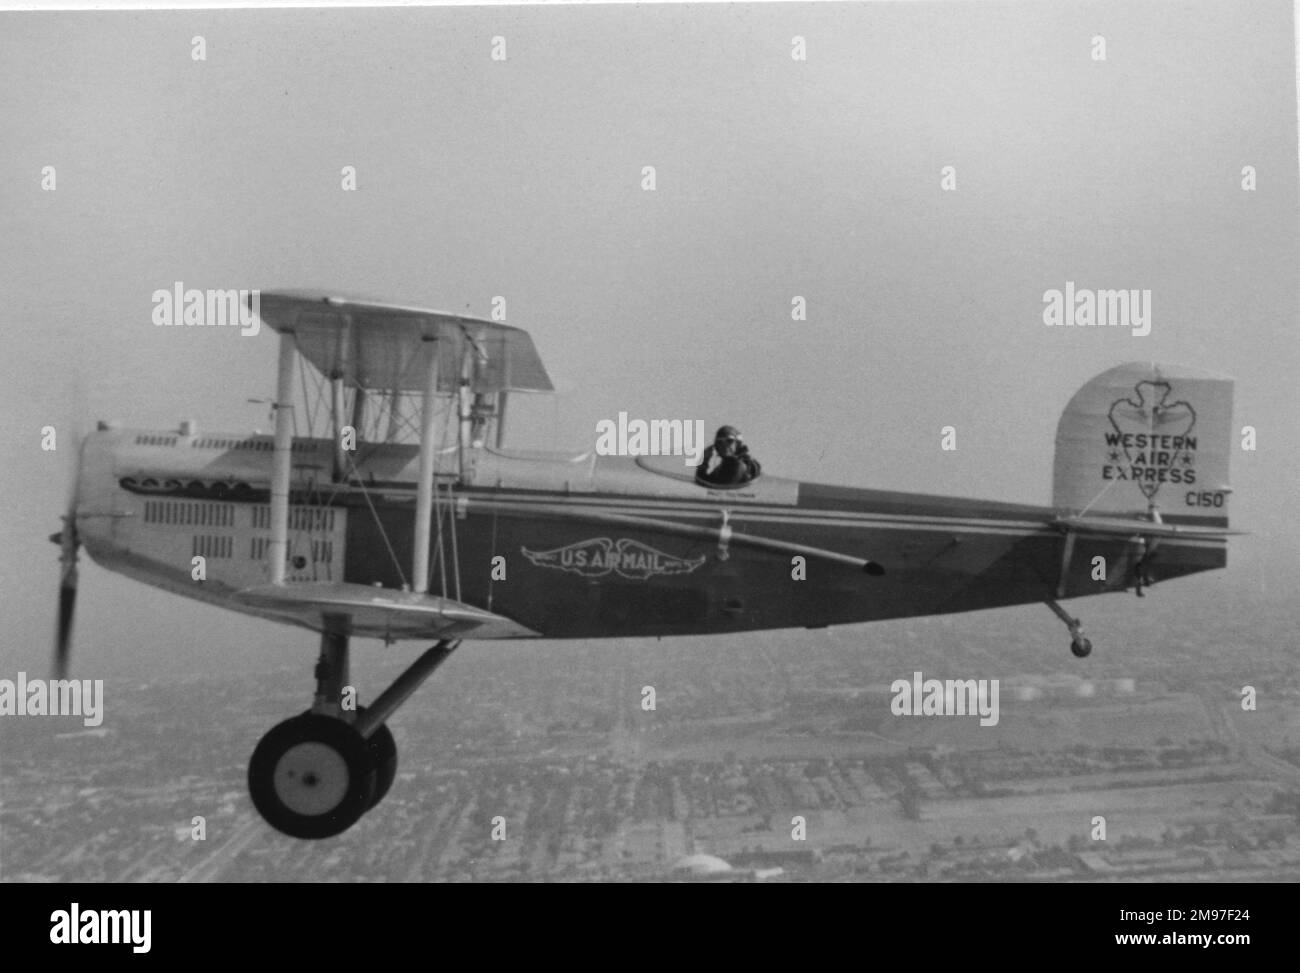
(387, 346)
(378, 612)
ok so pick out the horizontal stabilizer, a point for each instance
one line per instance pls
(1121, 527)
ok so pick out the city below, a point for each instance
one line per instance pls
(772, 757)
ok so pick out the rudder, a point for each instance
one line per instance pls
(1150, 439)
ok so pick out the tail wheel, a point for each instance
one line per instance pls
(1081, 648)
(383, 754)
(312, 776)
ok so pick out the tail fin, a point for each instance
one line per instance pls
(1146, 438)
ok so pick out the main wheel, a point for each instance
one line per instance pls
(383, 754)
(312, 776)
(1081, 648)
(383, 758)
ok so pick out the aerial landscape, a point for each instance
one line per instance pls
(747, 734)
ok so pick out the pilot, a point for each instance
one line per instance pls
(727, 462)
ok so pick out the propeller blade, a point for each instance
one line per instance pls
(69, 545)
(63, 637)
(68, 541)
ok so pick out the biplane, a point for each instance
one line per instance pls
(387, 506)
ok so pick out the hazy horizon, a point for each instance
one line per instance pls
(775, 178)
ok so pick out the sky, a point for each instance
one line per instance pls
(774, 177)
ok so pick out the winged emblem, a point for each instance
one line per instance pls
(625, 557)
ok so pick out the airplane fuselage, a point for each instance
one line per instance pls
(583, 546)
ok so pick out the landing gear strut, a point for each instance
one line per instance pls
(315, 775)
(1079, 645)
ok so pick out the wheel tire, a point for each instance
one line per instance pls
(383, 753)
(1082, 648)
(312, 777)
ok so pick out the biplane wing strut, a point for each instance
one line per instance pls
(424, 488)
(390, 351)
(349, 608)
(282, 458)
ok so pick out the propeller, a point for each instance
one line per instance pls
(69, 545)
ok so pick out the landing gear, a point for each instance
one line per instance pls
(1079, 645)
(312, 777)
(315, 775)
(1141, 576)
(383, 756)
